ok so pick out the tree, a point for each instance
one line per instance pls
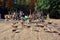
(42, 4)
(49, 6)
(9, 4)
(54, 8)
(21, 4)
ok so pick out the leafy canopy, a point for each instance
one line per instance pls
(47, 4)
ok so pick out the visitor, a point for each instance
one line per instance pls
(30, 16)
(21, 18)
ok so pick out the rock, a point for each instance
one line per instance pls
(43, 21)
(14, 26)
(50, 22)
(36, 30)
(14, 23)
(14, 30)
(58, 33)
(17, 31)
(28, 26)
(46, 29)
(55, 32)
(40, 25)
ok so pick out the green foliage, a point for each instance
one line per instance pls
(27, 2)
(51, 6)
(55, 6)
(23, 2)
(47, 4)
(42, 5)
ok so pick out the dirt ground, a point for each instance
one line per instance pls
(33, 33)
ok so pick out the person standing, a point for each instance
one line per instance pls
(21, 16)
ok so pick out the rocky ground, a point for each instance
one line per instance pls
(10, 31)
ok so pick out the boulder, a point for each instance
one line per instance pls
(50, 22)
